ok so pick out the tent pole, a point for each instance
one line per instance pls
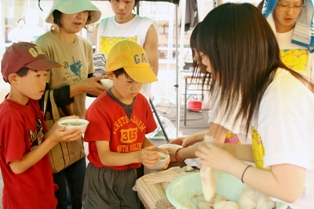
(179, 58)
(177, 80)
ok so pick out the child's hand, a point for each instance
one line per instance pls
(63, 135)
(149, 156)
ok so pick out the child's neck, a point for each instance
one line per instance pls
(119, 97)
(18, 98)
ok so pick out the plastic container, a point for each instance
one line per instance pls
(106, 82)
(72, 123)
(174, 146)
(195, 106)
(208, 176)
(228, 186)
(161, 163)
(181, 188)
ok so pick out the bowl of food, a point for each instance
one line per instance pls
(183, 191)
(71, 123)
(186, 192)
(169, 146)
(106, 82)
(161, 163)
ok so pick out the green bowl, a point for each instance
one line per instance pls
(228, 186)
(181, 188)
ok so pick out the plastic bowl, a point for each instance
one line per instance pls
(181, 188)
(161, 163)
(106, 82)
(71, 123)
(166, 146)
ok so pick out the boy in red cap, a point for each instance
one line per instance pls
(24, 143)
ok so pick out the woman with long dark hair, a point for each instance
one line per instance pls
(241, 52)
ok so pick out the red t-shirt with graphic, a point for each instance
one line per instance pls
(109, 121)
(22, 129)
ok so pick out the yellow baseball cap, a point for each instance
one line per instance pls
(133, 59)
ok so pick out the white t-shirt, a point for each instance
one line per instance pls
(285, 124)
(110, 32)
(294, 56)
(218, 116)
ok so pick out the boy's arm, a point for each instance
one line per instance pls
(147, 155)
(32, 157)
(55, 135)
(147, 143)
(151, 48)
(95, 37)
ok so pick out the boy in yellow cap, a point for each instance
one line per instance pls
(24, 143)
(119, 119)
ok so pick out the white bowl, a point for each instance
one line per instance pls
(161, 163)
(106, 82)
(71, 123)
(167, 146)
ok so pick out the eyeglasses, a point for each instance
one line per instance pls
(287, 7)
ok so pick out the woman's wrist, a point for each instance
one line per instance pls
(242, 176)
(177, 156)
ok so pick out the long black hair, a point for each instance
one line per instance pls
(243, 53)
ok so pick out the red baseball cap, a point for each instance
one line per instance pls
(24, 54)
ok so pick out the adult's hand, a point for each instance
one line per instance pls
(90, 86)
(177, 141)
(215, 156)
(184, 141)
